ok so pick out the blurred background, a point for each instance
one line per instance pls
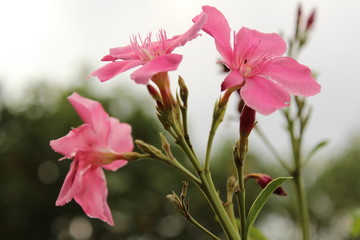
(48, 47)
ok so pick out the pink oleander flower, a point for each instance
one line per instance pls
(96, 144)
(265, 78)
(154, 56)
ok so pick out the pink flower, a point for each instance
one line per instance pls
(155, 57)
(96, 144)
(257, 68)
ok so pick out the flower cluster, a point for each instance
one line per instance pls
(264, 78)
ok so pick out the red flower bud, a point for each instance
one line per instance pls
(311, 19)
(263, 180)
(299, 13)
(247, 121)
(154, 93)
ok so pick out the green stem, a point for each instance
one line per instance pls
(184, 171)
(302, 204)
(272, 149)
(202, 228)
(209, 146)
(240, 152)
(241, 200)
(212, 196)
(218, 115)
(209, 191)
(297, 175)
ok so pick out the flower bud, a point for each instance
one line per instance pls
(247, 121)
(184, 92)
(150, 149)
(154, 93)
(310, 21)
(263, 180)
(298, 20)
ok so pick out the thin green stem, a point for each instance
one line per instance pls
(302, 204)
(240, 152)
(186, 172)
(209, 146)
(206, 185)
(241, 201)
(202, 228)
(296, 142)
(218, 115)
(209, 191)
(272, 149)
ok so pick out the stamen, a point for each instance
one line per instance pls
(147, 49)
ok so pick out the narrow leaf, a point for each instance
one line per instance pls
(315, 149)
(261, 200)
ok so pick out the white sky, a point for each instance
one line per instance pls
(52, 38)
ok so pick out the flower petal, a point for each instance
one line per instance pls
(93, 113)
(253, 44)
(79, 138)
(189, 34)
(72, 183)
(93, 194)
(120, 141)
(292, 76)
(124, 53)
(218, 27)
(263, 95)
(231, 80)
(112, 69)
(159, 64)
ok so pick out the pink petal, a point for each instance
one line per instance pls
(112, 69)
(79, 138)
(72, 183)
(115, 165)
(292, 76)
(124, 53)
(159, 64)
(253, 44)
(263, 95)
(93, 194)
(188, 35)
(120, 141)
(93, 113)
(218, 27)
(231, 80)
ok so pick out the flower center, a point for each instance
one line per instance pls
(146, 49)
(251, 63)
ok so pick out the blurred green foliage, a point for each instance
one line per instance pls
(31, 177)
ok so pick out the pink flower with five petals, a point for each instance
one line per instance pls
(257, 68)
(96, 144)
(154, 56)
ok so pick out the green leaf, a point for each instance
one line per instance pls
(315, 149)
(261, 200)
(255, 234)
